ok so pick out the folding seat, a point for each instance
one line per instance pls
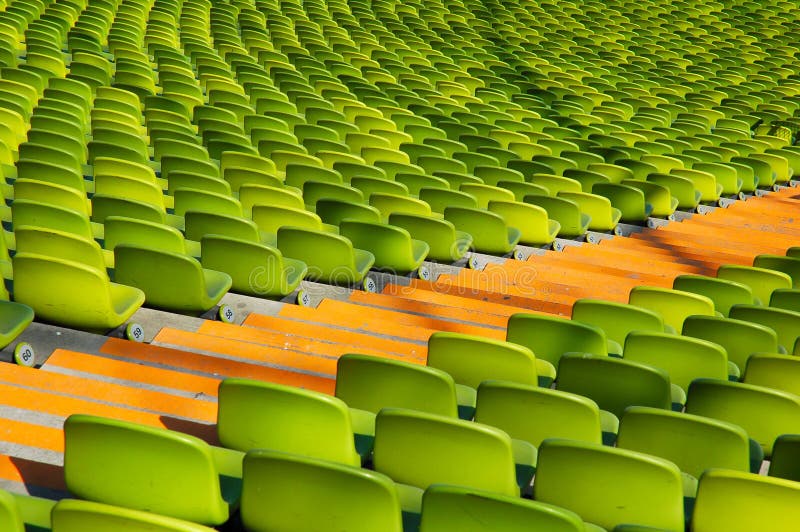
(694, 443)
(489, 231)
(615, 384)
(762, 173)
(555, 184)
(683, 358)
(788, 265)
(69, 515)
(741, 339)
(181, 285)
(195, 199)
(783, 322)
(760, 502)
(617, 320)
(331, 258)
(452, 445)
(722, 292)
(764, 413)
(551, 337)
(251, 195)
(533, 414)
(157, 463)
(261, 415)
(442, 509)
(297, 174)
(786, 299)
(393, 247)
(278, 487)
(761, 281)
(51, 194)
(673, 305)
(638, 489)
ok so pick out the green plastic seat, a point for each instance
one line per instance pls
(764, 413)
(169, 280)
(521, 190)
(786, 299)
(333, 211)
(784, 458)
(778, 372)
(443, 509)
(614, 384)
(122, 230)
(693, 443)
(483, 194)
(602, 215)
(608, 486)
(550, 337)
(457, 452)
(62, 245)
(759, 503)
(270, 218)
(533, 414)
(163, 472)
(490, 233)
(617, 320)
(663, 203)
(187, 199)
(784, 322)
(255, 269)
(37, 214)
(446, 244)
(683, 358)
(72, 294)
(726, 175)
(704, 182)
(72, 515)
(788, 265)
(371, 383)
(740, 339)
(573, 223)
(262, 415)
(279, 488)
(761, 281)
(628, 200)
(555, 184)
(681, 188)
(722, 292)
(330, 258)
(393, 247)
(532, 221)
(251, 195)
(673, 305)
(439, 199)
(471, 360)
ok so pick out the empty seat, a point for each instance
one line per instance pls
(490, 233)
(445, 243)
(392, 247)
(610, 487)
(760, 280)
(722, 292)
(740, 339)
(673, 305)
(72, 515)
(617, 320)
(779, 372)
(164, 472)
(262, 415)
(280, 488)
(785, 323)
(330, 258)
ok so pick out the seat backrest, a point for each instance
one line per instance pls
(531, 413)
(785, 323)
(455, 452)
(740, 339)
(10, 518)
(764, 413)
(779, 372)
(739, 502)
(333, 211)
(142, 468)
(439, 198)
(723, 293)
(551, 337)
(613, 383)
(673, 305)
(617, 320)
(37, 214)
(760, 280)
(187, 199)
(608, 486)
(788, 265)
(278, 486)
(443, 510)
(60, 244)
(262, 415)
(121, 230)
(73, 515)
(270, 218)
(371, 383)
(199, 224)
(333, 251)
(693, 443)
(684, 359)
(471, 360)
(250, 195)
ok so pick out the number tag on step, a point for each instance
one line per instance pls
(134, 332)
(24, 355)
(226, 314)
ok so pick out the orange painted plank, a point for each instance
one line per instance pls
(592, 265)
(291, 360)
(209, 365)
(317, 345)
(378, 321)
(128, 371)
(426, 292)
(32, 473)
(658, 246)
(109, 392)
(709, 235)
(420, 307)
(526, 280)
(31, 435)
(308, 329)
(580, 273)
(641, 262)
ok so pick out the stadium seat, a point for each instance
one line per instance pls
(70, 515)
(617, 320)
(154, 474)
(393, 248)
(330, 258)
(673, 305)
